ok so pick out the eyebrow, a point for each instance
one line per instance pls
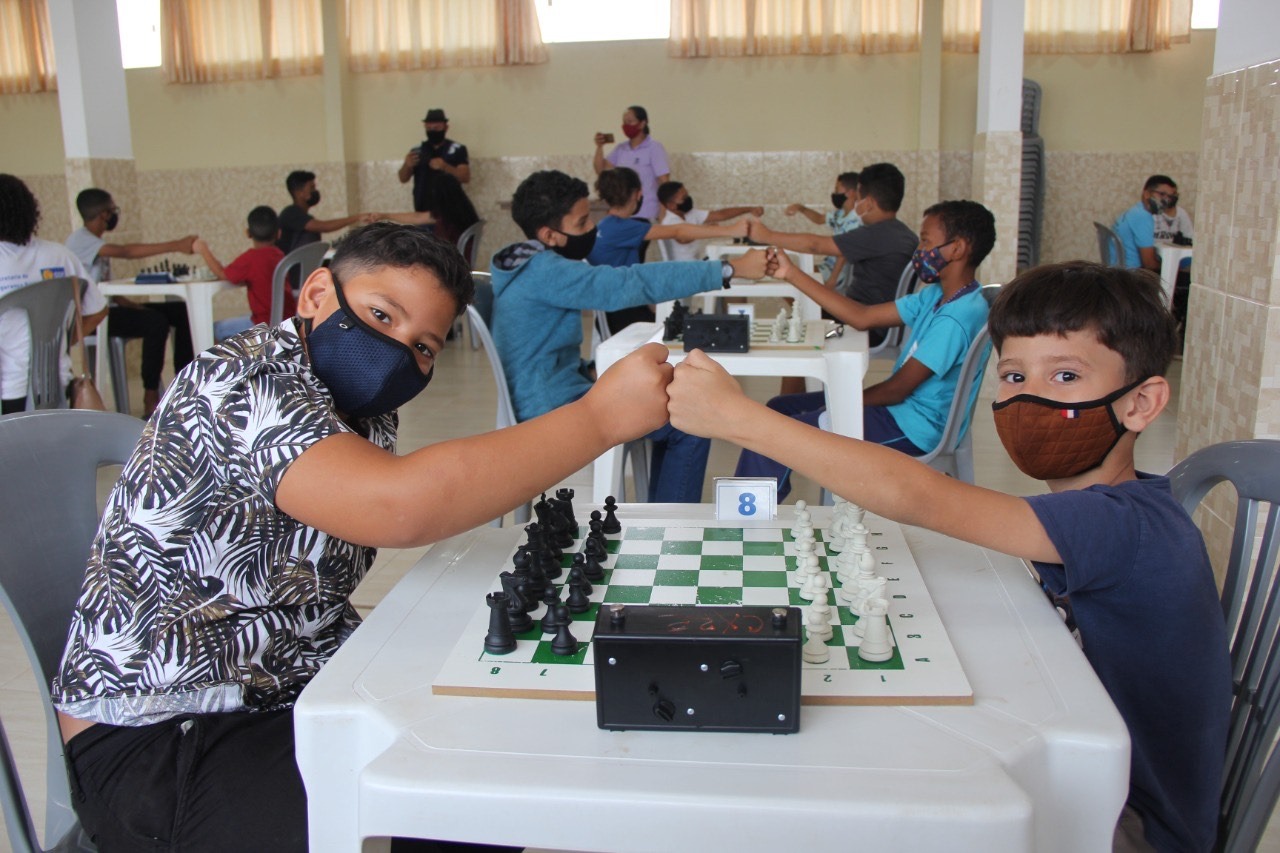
(392, 303)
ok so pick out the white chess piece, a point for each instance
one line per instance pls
(814, 587)
(817, 625)
(804, 519)
(876, 645)
(795, 329)
(804, 550)
(815, 650)
(856, 513)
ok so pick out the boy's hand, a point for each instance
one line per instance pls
(199, 245)
(753, 264)
(793, 209)
(757, 231)
(630, 399)
(784, 265)
(701, 396)
(738, 229)
(187, 244)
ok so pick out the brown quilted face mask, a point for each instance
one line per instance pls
(1050, 440)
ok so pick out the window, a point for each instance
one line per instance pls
(1204, 14)
(139, 32)
(603, 20)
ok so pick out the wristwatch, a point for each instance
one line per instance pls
(726, 274)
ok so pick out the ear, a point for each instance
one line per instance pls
(316, 294)
(548, 236)
(1141, 406)
(247, 234)
(961, 250)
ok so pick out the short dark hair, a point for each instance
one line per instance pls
(848, 180)
(641, 114)
(263, 223)
(1158, 180)
(884, 183)
(617, 184)
(389, 244)
(545, 198)
(91, 202)
(19, 211)
(298, 179)
(969, 221)
(668, 191)
(1125, 308)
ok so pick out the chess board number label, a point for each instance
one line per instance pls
(743, 498)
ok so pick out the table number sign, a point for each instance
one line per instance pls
(743, 498)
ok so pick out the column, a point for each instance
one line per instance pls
(997, 147)
(929, 168)
(1231, 367)
(338, 175)
(94, 106)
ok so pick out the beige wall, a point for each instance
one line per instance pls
(205, 153)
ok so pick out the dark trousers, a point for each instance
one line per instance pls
(152, 323)
(878, 427)
(209, 782)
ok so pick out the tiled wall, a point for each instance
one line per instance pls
(1231, 372)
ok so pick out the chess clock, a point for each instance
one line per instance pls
(698, 668)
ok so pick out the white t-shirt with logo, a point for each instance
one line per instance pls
(20, 266)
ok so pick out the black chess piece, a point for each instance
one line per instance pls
(551, 619)
(611, 523)
(551, 595)
(526, 568)
(517, 607)
(554, 525)
(593, 568)
(500, 640)
(564, 643)
(565, 498)
(578, 572)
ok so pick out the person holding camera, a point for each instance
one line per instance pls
(642, 153)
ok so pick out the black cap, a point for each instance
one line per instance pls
(435, 114)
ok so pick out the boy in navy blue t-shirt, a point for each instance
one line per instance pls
(1082, 352)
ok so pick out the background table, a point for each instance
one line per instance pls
(199, 298)
(840, 367)
(1171, 257)
(1040, 761)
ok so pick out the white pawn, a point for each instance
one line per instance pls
(815, 650)
(876, 645)
(804, 551)
(868, 565)
(817, 625)
(856, 513)
(795, 329)
(804, 519)
(815, 587)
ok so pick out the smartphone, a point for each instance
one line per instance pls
(608, 137)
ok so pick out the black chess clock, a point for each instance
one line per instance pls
(698, 668)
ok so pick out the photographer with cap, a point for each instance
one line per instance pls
(436, 157)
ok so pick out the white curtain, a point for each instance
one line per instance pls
(701, 28)
(1079, 26)
(206, 41)
(403, 35)
(26, 47)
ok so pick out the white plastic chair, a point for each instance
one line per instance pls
(1251, 605)
(469, 242)
(49, 515)
(48, 305)
(1110, 249)
(892, 343)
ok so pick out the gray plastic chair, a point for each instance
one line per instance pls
(892, 343)
(306, 260)
(1251, 605)
(1110, 249)
(49, 515)
(48, 305)
(469, 242)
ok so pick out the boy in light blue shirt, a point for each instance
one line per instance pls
(907, 411)
(1136, 226)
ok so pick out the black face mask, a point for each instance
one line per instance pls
(578, 246)
(112, 221)
(686, 205)
(639, 204)
(435, 137)
(314, 198)
(838, 200)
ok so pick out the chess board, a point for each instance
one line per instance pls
(815, 337)
(711, 562)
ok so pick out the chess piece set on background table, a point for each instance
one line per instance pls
(862, 588)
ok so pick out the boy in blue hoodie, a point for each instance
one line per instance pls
(540, 289)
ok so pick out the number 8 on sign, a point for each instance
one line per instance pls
(743, 498)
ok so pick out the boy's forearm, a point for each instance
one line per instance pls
(833, 302)
(809, 244)
(218, 270)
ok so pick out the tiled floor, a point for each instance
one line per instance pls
(461, 402)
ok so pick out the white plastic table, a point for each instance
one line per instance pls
(197, 294)
(1039, 762)
(840, 366)
(1171, 257)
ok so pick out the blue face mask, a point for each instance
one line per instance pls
(367, 372)
(929, 263)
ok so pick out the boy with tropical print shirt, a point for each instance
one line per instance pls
(220, 578)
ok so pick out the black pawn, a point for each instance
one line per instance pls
(578, 601)
(551, 619)
(611, 523)
(534, 580)
(551, 595)
(578, 573)
(595, 548)
(564, 643)
(593, 569)
(500, 640)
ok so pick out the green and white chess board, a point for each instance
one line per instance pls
(720, 563)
